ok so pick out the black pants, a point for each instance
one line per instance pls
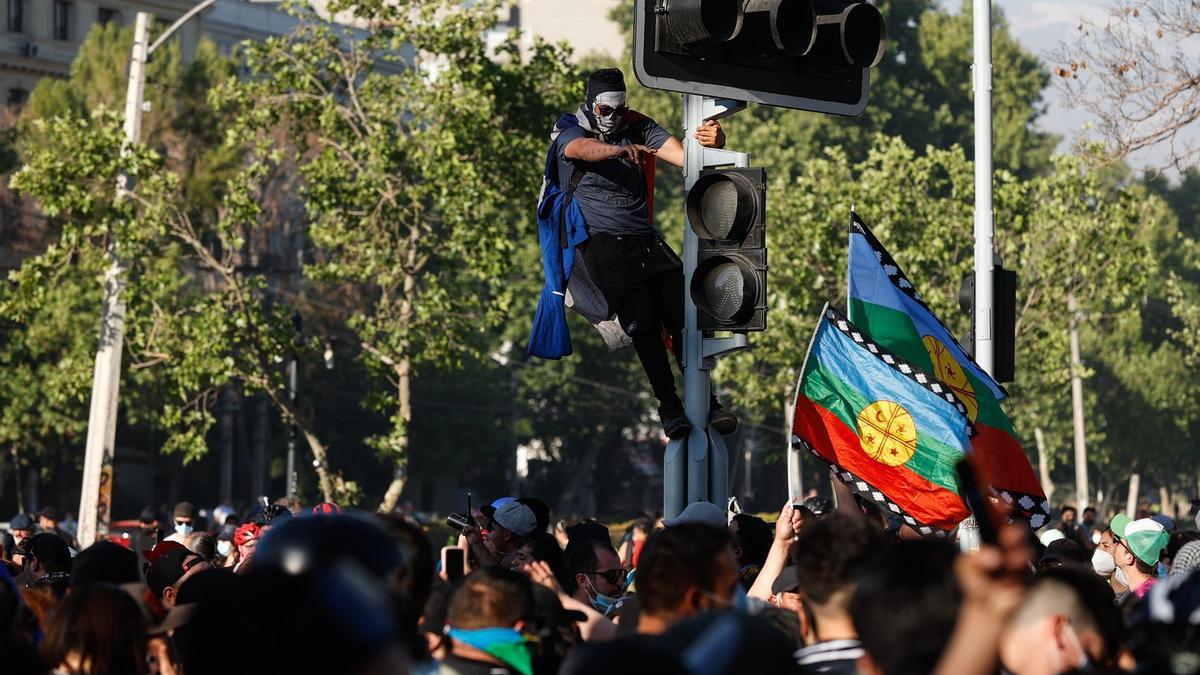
(642, 280)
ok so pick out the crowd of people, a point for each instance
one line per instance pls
(832, 586)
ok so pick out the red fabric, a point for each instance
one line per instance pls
(1003, 461)
(245, 534)
(160, 549)
(930, 504)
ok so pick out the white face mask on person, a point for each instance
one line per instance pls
(183, 529)
(1103, 562)
(224, 547)
(613, 104)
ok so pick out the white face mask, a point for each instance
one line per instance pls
(1103, 563)
(183, 529)
(1119, 575)
(224, 547)
(607, 124)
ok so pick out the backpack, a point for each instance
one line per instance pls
(561, 228)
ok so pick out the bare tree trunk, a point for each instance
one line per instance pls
(1165, 505)
(1081, 469)
(400, 470)
(1044, 464)
(1132, 500)
(320, 459)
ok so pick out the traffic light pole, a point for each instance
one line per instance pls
(697, 468)
(984, 226)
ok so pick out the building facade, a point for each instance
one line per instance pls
(39, 38)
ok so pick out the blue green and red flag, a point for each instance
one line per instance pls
(892, 432)
(883, 302)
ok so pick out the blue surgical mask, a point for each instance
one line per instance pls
(601, 602)
(183, 529)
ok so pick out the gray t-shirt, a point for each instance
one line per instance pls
(612, 194)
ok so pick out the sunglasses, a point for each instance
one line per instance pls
(606, 110)
(615, 577)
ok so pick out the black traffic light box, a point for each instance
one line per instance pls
(805, 54)
(727, 210)
(1004, 320)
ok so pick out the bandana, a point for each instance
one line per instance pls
(505, 644)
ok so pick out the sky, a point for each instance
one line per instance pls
(1040, 25)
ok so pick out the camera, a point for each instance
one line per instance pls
(458, 521)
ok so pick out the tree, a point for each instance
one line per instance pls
(416, 146)
(199, 319)
(1135, 71)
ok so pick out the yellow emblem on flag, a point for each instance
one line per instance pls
(948, 371)
(887, 433)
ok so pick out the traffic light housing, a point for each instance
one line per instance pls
(804, 54)
(1004, 320)
(727, 209)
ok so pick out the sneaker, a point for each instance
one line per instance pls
(675, 422)
(722, 422)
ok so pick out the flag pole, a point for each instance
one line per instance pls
(981, 72)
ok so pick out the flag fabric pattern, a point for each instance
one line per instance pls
(892, 432)
(883, 302)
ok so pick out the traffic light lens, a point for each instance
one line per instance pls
(863, 35)
(718, 209)
(723, 291)
(722, 207)
(699, 22)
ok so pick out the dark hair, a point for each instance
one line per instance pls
(581, 556)
(608, 77)
(1176, 542)
(829, 552)
(544, 547)
(644, 524)
(491, 597)
(906, 604)
(105, 562)
(103, 625)
(1067, 507)
(754, 535)
(676, 559)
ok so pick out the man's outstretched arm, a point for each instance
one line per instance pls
(593, 150)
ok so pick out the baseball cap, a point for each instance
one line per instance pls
(787, 581)
(1064, 551)
(105, 562)
(184, 510)
(21, 521)
(1145, 538)
(516, 518)
(1050, 536)
(702, 513)
(1166, 521)
(489, 510)
(326, 508)
(168, 565)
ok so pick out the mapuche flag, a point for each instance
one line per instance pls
(885, 304)
(892, 432)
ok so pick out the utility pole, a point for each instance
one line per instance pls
(96, 492)
(1081, 475)
(696, 468)
(298, 323)
(981, 78)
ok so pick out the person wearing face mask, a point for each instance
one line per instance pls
(595, 574)
(1138, 546)
(1066, 622)
(226, 551)
(184, 522)
(1104, 564)
(607, 152)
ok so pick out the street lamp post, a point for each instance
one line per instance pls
(96, 493)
